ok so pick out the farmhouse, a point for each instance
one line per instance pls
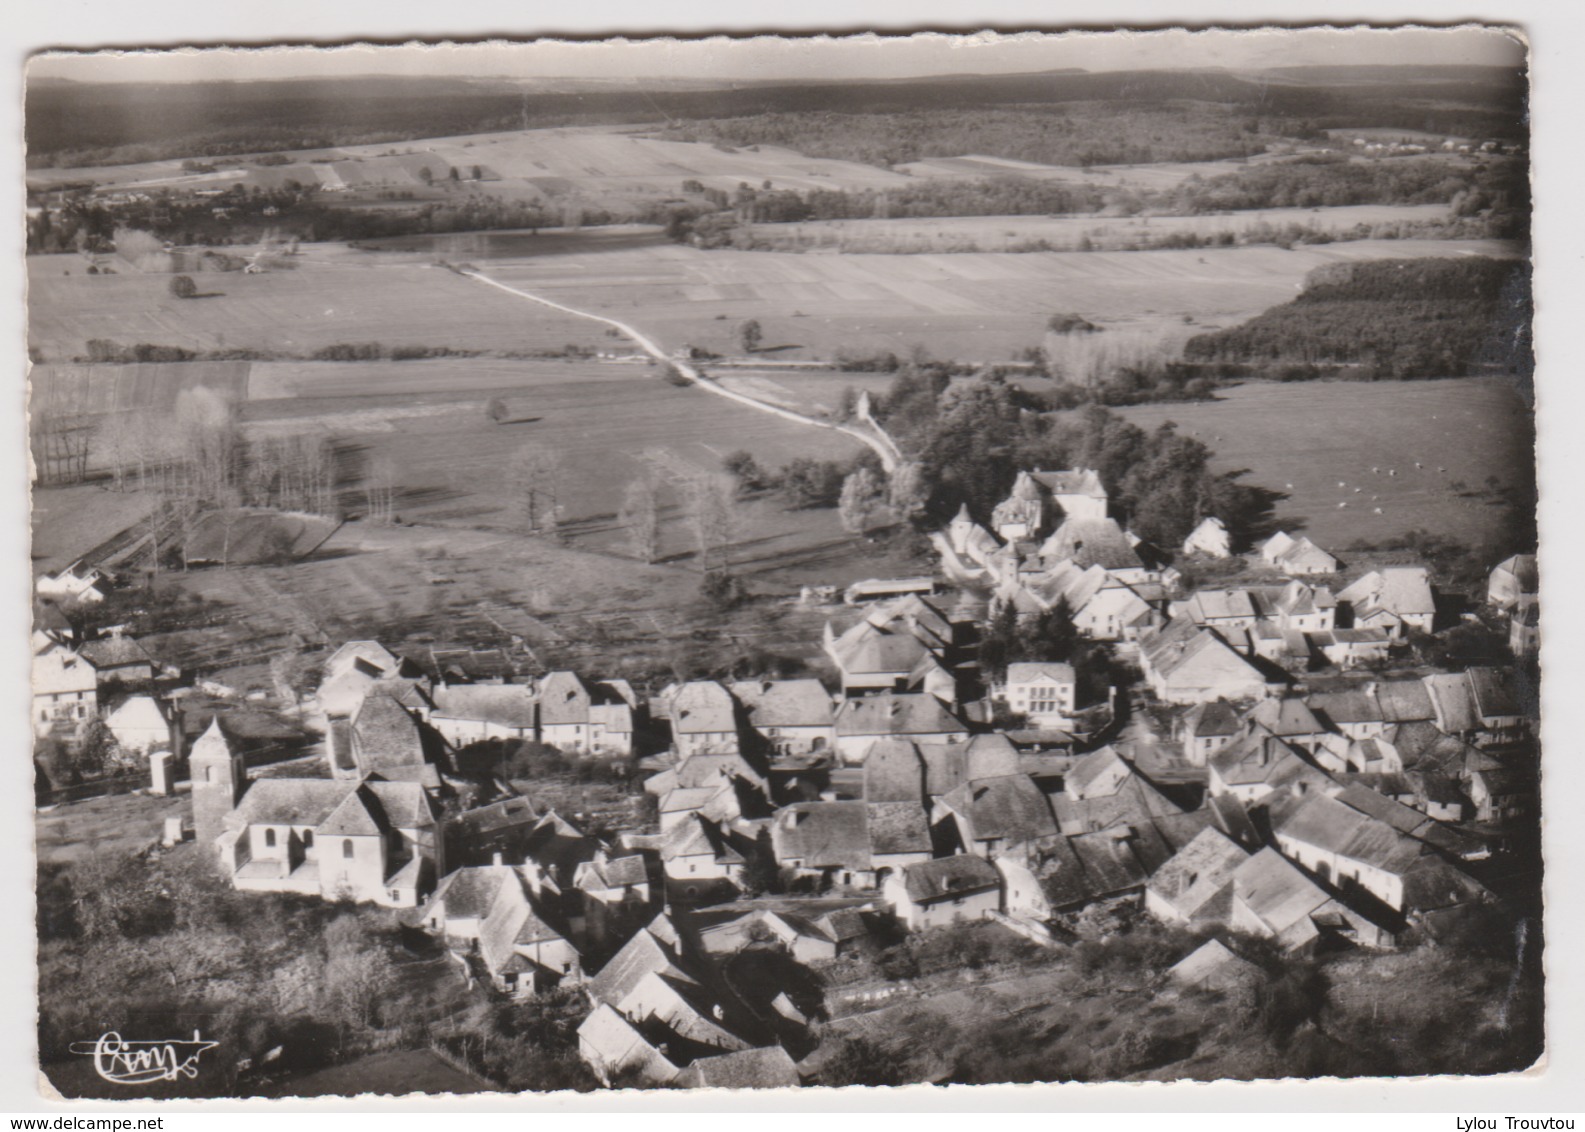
(1512, 580)
(119, 659)
(793, 717)
(917, 717)
(1297, 557)
(353, 669)
(1039, 500)
(892, 648)
(945, 891)
(992, 813)
(1186, 664)
(1210, 539)
(1187, 888)
(1397, 599)
(1206, 729)
(471, 713)
(582, 719)
(704, 719)
(65, 691)
(73, 583)
(491, 917)
(141, 724)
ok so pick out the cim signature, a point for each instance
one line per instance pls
(143, 1063)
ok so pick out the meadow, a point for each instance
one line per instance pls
(331, 298)
(1069, 233)
(1328, 443)
(970, 306)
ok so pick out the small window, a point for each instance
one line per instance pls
(346, 848)
(269, 839)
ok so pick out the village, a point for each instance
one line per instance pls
(1059, 734)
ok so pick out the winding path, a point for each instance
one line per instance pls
(877, 441)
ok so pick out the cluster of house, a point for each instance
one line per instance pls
(1345, 812)
(75, 682)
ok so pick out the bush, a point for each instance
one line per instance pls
(183, 287)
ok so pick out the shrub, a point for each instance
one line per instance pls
(183, 287)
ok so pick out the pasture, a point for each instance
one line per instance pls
(1306, 439)
(1065, 233)
(597, 160)
(971, 306)
(331, 299)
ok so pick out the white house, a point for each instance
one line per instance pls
(65, 691)
(140, 724)
(948, 890)
(1044, 693)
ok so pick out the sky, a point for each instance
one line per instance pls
(768, 57)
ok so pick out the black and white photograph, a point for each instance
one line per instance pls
(783, 561)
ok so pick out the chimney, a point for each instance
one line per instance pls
(495, 860)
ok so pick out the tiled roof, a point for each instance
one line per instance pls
(896, 714)
(1008, 808)
(291, 801)
(823, 835)
(509, 705)
(1092, 542)
(949, 876)
(792, 703)
(1275, 891)
(898, 827)
(702, 707)
(115, 652)
(1194, 875)
(1329, 824)
(386, 735)
(1214, 718)
(643, 954)
(1028, 672)
(563, 699)
(769, 1067)
(893, 772)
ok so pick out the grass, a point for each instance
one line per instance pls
(986, 306)
(117, 824)
(71, 520)
(1319, 434)
(1003, 233)
(330, 299)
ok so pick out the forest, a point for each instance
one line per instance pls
(72, 124)
(1394, 319)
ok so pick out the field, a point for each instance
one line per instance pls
(70, 521)
(1307, 439)
(1064, 233)
(599, 160)
(329, 300)
(972, 306)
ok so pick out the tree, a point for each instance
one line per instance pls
(183, 287)
(535, 477)
(808, 482)
(713, 512)
(862, 497)
(640, 515)
(749, 335)
(742, 466)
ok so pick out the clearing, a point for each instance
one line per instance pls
(1306, 438)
